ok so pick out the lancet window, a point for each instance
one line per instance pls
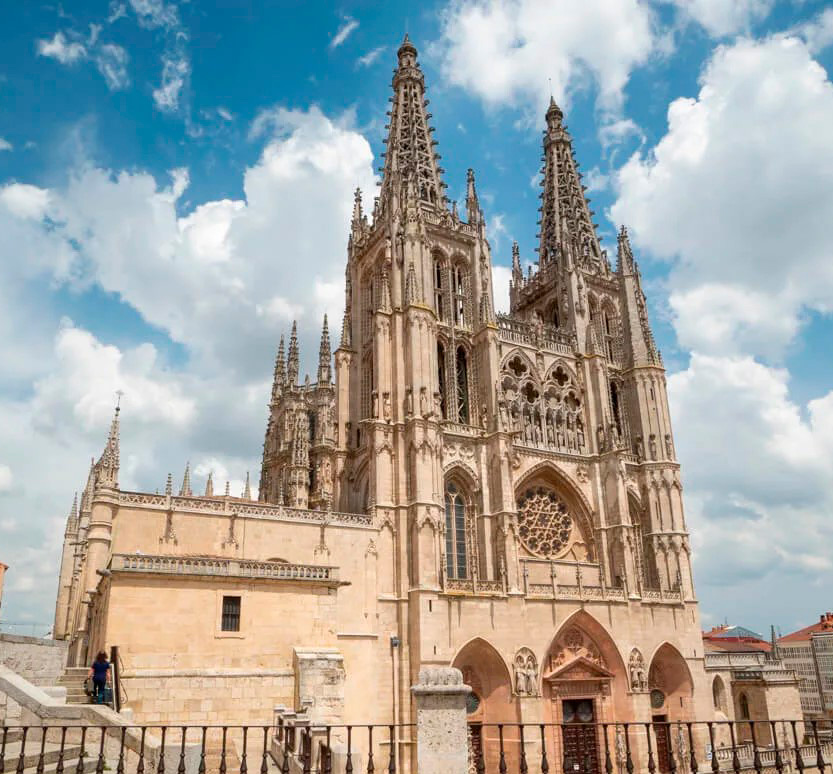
(458, 287)
(367, 385)
(439, 288)
(456, 553)
(462, 386)
(454, 383)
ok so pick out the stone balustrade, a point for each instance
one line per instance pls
(224, 506)
(227, 568)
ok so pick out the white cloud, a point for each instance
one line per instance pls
(5, 478)
(221, 279)
(739, 199)
(501, 276)
(111, 61)
(503, 51)
(175, 72)
(5, 145)
(25, 201)
(818, 32)
(724, 17)
(154, 13)
(347, 27)
(65, 51)
(371, 56)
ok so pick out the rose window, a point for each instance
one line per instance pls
(544, 523)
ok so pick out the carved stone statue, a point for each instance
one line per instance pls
(636, 669)
(652, 446)
(640, 449)
(669, 446)
(423, 402)
(386, 407)
(526, 673)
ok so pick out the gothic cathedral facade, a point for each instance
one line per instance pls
(495, 492)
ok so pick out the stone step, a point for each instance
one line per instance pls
(31, 756)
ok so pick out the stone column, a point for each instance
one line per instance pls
(442, 744)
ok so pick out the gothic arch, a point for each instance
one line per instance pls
(465, 476)
(531, 372)
(669, 673)
(550, 473)
(550, 375)
(485, 670)
(719, 695)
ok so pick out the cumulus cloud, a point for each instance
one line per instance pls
(818, 32)
(5, 145)
(724, 17)
(65, 51)
(738, 198)
(503, 51)
(220, 279)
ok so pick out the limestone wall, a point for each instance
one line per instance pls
(214, 696)
(39, 661)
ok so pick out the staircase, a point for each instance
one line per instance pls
(31, 759)
(73, 680)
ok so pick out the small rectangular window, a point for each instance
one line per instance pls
(231, 614)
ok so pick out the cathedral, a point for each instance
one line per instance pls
(499, 493)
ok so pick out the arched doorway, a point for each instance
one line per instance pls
(585, 682)
(671, 689)
(490, 702)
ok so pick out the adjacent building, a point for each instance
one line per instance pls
(809, 651)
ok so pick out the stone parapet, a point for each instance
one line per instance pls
(231, 568)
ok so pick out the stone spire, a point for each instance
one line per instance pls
(517, 272)
(566, 218)
(279, 378)
(87, 494)
(209, 484)
(228, 489)
(639, 337)
(247, 488)
(169, 485)
(185, 489)
(358, 220)
(324, 355)
(72, 518)
(107, 468)
(411, 288)
(292, 358)
(475, 214)
(410, 145)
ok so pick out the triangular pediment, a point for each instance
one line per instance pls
(580, 668)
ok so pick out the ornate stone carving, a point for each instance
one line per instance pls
(526, 673)
(544, 523)
(636, 670)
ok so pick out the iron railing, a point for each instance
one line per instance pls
(298, 746)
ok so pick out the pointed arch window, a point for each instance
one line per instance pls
(439, 288)
(462, 366)
(458, 286)
(744, 707)
(456, 556)
(441, 379)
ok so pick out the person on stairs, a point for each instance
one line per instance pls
(100, 673)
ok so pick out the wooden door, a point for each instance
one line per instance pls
(581, 755)
(663, 741)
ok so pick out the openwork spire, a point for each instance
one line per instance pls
(279, 378)
(410, 145)
(474, 212)
(324, 355)
(292, 359)
(209, 484)
(185, 489)
(566, 217)
(72, 518)
(107, 468)
(247, 488)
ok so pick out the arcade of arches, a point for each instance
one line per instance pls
(580, 677)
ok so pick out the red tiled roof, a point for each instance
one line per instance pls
(824, 624)
(736, 646)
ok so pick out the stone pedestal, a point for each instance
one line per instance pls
(440, 696)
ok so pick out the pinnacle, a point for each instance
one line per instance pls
(209, 484)
(169, 485)
(247, 489)
(185, 489)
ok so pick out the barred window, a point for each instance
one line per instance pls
(231, 614)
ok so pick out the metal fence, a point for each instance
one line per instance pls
(668, 747)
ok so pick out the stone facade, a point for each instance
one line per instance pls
(498, 494)
(39, 661)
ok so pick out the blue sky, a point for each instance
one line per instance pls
(175, 184)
